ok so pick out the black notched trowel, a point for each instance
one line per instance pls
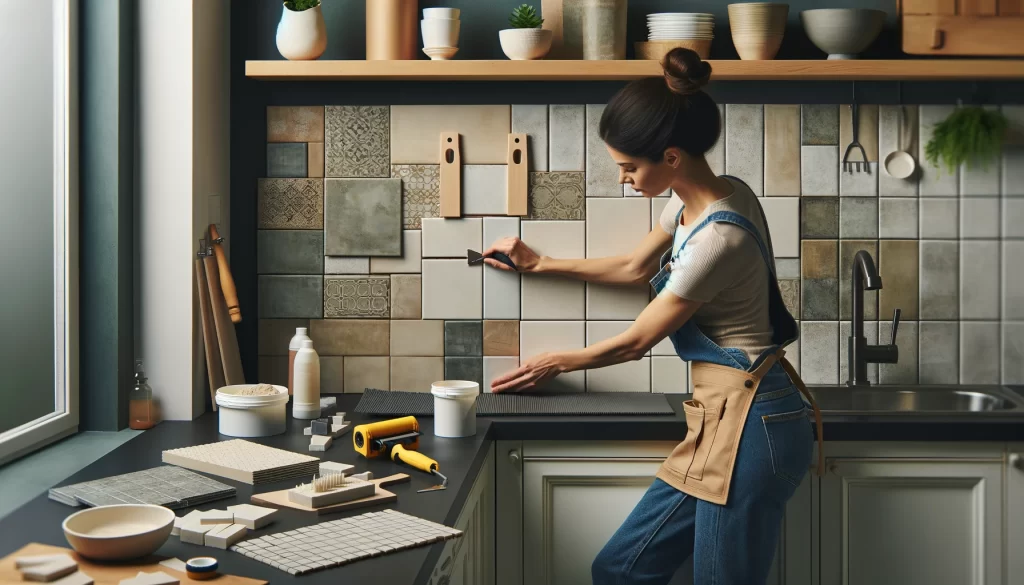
(474, 257)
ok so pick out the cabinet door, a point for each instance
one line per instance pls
(963, 27)
(469, 559)
(1015, 513)
(911, 521)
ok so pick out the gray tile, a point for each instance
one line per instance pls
(819, 170)
(939, 218)
(897, 217)
(744, 144)
(979, 217)
(979, 279)
(357, 296)
(940, 264)
(858, 217)
(363, 217)
(819, 217)
(871, 334)
(532, 120)
(820, 298)
(891, 138)
(979, 352)
(819, 352)
(1013, 218)
(903, 371)
(421, 193)
(290, 204)
(858, 184)
(463, 338)
(464, 368)
(934, 182)
(346, 265)
(602, 172)
(940, 350)
(284, 297)
(289, 252)
(567, 128)
(358, 141)
(1013, 353)
(557, 195)
(819, 288)
(819, 124)
(787, 268)
(287, 159)
(1013, 280)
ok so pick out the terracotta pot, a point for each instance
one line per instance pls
(391, 30)
(301, 36)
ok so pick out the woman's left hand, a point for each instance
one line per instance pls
(531, 374)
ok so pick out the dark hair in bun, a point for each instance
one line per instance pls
(652, 114)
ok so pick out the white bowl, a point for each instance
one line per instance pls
(440, 32)
(441, 13)
(126, 531)
(670, 15)
(521, 44)
(842, 32)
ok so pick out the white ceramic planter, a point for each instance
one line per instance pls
(301, 36)
(521, 44)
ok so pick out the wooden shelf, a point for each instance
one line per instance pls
(723, 70)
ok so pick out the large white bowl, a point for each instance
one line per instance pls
(842, 32)
(521, 44)
(122, 532)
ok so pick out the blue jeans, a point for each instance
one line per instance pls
(731, 544)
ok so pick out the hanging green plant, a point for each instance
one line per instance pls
(300, 5)
(971, 135)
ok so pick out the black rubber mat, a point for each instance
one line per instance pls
(390, 402)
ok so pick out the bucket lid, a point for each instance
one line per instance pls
(455, 389)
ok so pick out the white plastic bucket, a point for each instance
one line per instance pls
(455, 408)
(251, 416)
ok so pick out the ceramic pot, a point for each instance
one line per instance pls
(301, 36)
(391, 30)
(523, 44)
(757, 29)
(842, 32)
(603, 23)
(440, 32)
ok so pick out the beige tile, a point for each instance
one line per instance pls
(783, 215)
(407, 263)
(484, 189)
(669, 375)
(417, 338)
(536, 337)
(501, 338)
(898, 267)
(416, 374)
(601, 330)
(332, 374)
(502, 289)
(781, 150)
(366, 372)
(744, 144)
(557, 239)
(606, 301)
(315, 159)
(484, 129)
(547, 296)
(657, 207)
(406, 296)
(450, 238)
(295, 123)
(616, 226)
(634, 376)
(664, 347)
(350, 336)
(274, 334)
(867, 132)
(495, 366)
(273, 370)
(452, 290)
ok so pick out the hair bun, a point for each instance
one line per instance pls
(685, 72)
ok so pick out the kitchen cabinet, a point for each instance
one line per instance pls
(469, 560)
(1014, 513)
(963, 27)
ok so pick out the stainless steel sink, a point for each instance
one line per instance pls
(931, 400)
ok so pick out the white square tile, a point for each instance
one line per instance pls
(819, 170)
(632, 376)
(979, 279)
(601, 330)
(484, 189)
(934, 182)
(1012, 170)
(346, 265)
(979, 217)
(616, 226)
(602, 171)
(452, 290)
(890, 136)
(716, 156)
(664, 347)
(495, 366)
(783, 215)
(939, 353)
(1013, 217)
(417, 338)
(669, 375)
(567, 134)
(979, 352)
(496, 228)
(939, 218)
(897, 217)
(744, 144)
(557, 239)
(862, 184)
(408, 263)
(606, 301)
(546, 296)
(819, 352)
(532, 120)
(1013, 280)
(449, 238)
(793, 354)
(536, 337)
(501, 288)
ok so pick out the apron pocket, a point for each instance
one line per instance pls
(790, 443)
(705, 420)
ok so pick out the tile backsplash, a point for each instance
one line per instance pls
(350, 244)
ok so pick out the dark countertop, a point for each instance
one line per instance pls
(460, 459)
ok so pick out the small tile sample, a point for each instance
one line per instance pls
(939, 218)
(867, 129)
(273, 370)
(744, 144)
(905, 370)
(332, 374)
(819, 352)
(1013, 353)
(616, 226)
(820, 286)
(500, 338)
(357, 141)
(315, 159)
(536, 337)
(532, 120)
(243, 461)
(416, 374)
(406, 296)
(289, 252)
(50, 571)
(819, 170)
(939, 359)
(858, 217)
(282, 297)
(863, 183)
(452, 290)
(669, 375)
(979, 218)
(350, 336)
(979, 352)
(273, 335)
(346, 265)
(36, 560)
(194, 533)
(934, 182)
(225, 537)
(421, 192)
(464, 368)
(463, 338)
(871, 335)
(896, 131)
(357, 297)
(617, 302)
(287, 159)
(362, 217)
(820, 217)
(295, 124)
(567, 135)
(366, 372)
(290, 204)
(940, 265)
(781, 150)
(175, 564)
(820, 124)
(1013, 218)
(602, 172)
(790, 289)
(847, 250)
(557, 195)
(418, 338)
(979, 279)
(495, 366)
(502, 289)
(783, 215)
(1013, 280)
(716, 156)
(320, 443)
(484, 189)
(483, 130)
(898, 267)
(897, 217)
(408, 263)
(217, 517)
(450, 238)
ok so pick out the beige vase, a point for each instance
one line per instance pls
(391, 31)
(301, 36)
(603, 28)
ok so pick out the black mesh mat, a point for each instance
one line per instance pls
(385, 402)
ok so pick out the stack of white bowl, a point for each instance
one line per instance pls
(440, 30)
(666, 30)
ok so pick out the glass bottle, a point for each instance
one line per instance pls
(140, 402)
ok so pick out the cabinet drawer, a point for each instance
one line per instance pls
(963, 35)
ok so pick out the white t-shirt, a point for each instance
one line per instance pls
(722, 267)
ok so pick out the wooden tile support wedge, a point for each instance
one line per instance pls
(227, 341)
(517, 174)
(451, 175)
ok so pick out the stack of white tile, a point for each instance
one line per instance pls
(221, 528)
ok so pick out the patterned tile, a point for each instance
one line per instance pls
(286, 297)
(501, 338)
(602, 172)
(290, 204)
(357, 296)
(532, 120)
(820, 217)
(781, 150)
(819, 290)
(358, 141)
(557, 195)
(295, 123)
(406, 296)
(744, 144)
(364, 337)
(363, 372)
(790, 288)
(847, 250)
(858, 217)
(898, 267)
(421, 193)
(820, 124)
(287, 159)
(289, 252)
(363, 217)
(464, 368)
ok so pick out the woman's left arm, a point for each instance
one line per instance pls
(665, 314)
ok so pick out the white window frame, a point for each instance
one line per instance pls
(64, 419)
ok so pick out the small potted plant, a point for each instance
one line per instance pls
(301, 34)
(971, 135)
(526, 39)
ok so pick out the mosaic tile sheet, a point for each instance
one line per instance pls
(421, 193)
(167, 486)
(358, 141)
(357, 297)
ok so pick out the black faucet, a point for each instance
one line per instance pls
(865, 277)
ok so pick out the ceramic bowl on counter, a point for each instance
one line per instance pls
(121, 532)
(842, 32)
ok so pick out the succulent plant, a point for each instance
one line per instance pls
(525, 16)
(300, 5)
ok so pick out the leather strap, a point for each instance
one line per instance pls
(814, 405)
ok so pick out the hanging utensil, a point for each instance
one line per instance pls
(861, 165)
(900, 164)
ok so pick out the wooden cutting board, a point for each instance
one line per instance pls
(227, 341)
(214, 368)
(279, 499)
(109, 574)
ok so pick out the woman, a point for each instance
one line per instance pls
(722, 492)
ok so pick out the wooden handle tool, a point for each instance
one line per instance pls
(227, 284)
(451, 175)
(517, 175)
